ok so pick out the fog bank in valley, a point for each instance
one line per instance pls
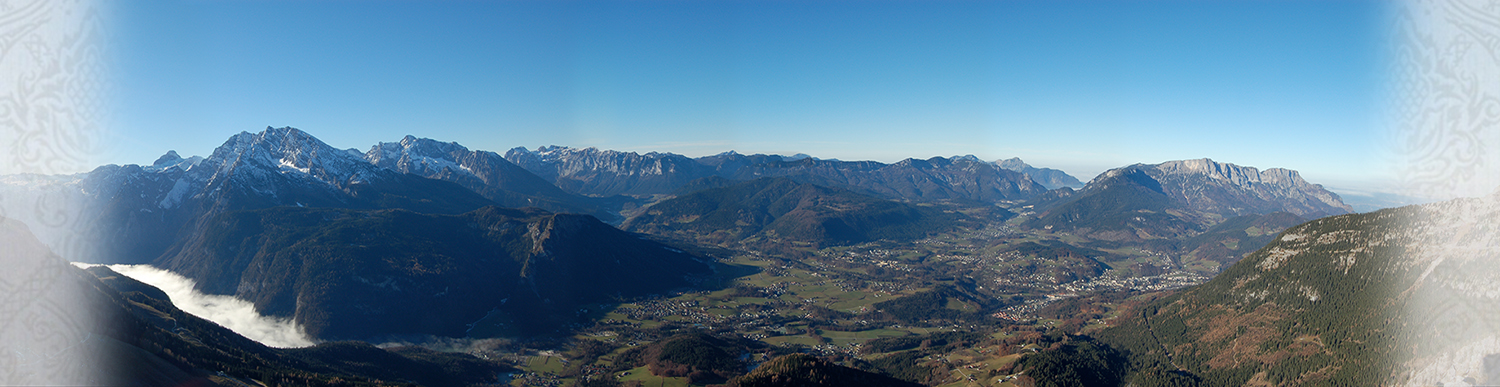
(233, 313)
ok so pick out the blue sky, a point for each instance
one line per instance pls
(1080, 86)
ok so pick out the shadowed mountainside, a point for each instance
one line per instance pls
(347, 274)
(121, 332)
(785, 209)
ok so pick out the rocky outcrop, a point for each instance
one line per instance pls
(1179, 199)
(594, 172)
(1232, 190)
(484, 172)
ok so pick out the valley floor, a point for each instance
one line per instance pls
(845, 303)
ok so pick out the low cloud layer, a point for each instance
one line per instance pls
(233, 313)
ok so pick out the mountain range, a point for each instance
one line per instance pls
(537, 243)
(270, 217)
(1176, 199)
(594, 172)
(345, 242)
(131, 214)
(779, 210)
(486, 173)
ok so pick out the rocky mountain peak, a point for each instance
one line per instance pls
(1221, 171)
(1230, 189)
(1013, 163)
(173, 162)
(289, 151)
(1239, 175)
(170, 157)
(421, 156)
(1047, 177)
(913, 163)
(798, 156)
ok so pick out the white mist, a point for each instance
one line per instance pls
(233, 313)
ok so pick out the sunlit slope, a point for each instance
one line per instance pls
(1394, 297)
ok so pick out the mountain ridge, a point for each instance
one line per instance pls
(590, 171)
(1047, 177)
(1390, 297)
(355, 274)
(784, 208)
(484, 172)
(1181, 198)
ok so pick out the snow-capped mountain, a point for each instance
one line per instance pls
(595, 172)
(288, 167)
(132, 214)
(276, 157)
(591, 171)
(484, 172)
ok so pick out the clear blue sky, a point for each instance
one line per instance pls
(1081, 86)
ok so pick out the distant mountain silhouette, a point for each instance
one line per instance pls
(783, 208)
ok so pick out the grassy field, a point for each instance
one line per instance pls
(542, 364)
(644, 375)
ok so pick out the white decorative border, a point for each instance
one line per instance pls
(51, 111)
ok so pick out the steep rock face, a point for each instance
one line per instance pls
(1179, 199)
(1228, 189)
(594, 172)
(1047, 177)
(284, 157)
(453, 162)
(486, 173)
(358, 274)
(288, 167)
